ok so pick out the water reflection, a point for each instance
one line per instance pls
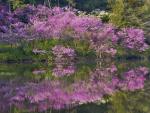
(61, 70)
(66, 88)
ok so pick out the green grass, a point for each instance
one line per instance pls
(23, 50)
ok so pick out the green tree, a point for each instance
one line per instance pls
(117, 12)
(127, 12)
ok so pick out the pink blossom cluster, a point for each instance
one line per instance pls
(63, 60)
(133, 79)
(61, 51)
(104, 40)
(56, 22)
(133, 38)
(60, 70)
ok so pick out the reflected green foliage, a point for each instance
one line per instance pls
(118, 103)
(25, 70)
(11, 71)
(133, 102)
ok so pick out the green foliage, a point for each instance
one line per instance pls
(117, 12)
(90, 5)
(29, 1)
(71, 2)
(82, 47)
(16, 3)
(118, 103)
(127, 12)
(87, 5)
(130, 102)
(24, 50)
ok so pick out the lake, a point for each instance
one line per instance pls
(81, 86)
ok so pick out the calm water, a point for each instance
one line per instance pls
(84, 86)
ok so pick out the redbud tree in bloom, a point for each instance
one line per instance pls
(57, 23)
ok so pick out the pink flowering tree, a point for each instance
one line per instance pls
(132, 38)
(57, 23)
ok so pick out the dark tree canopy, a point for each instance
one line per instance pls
(87, 5)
